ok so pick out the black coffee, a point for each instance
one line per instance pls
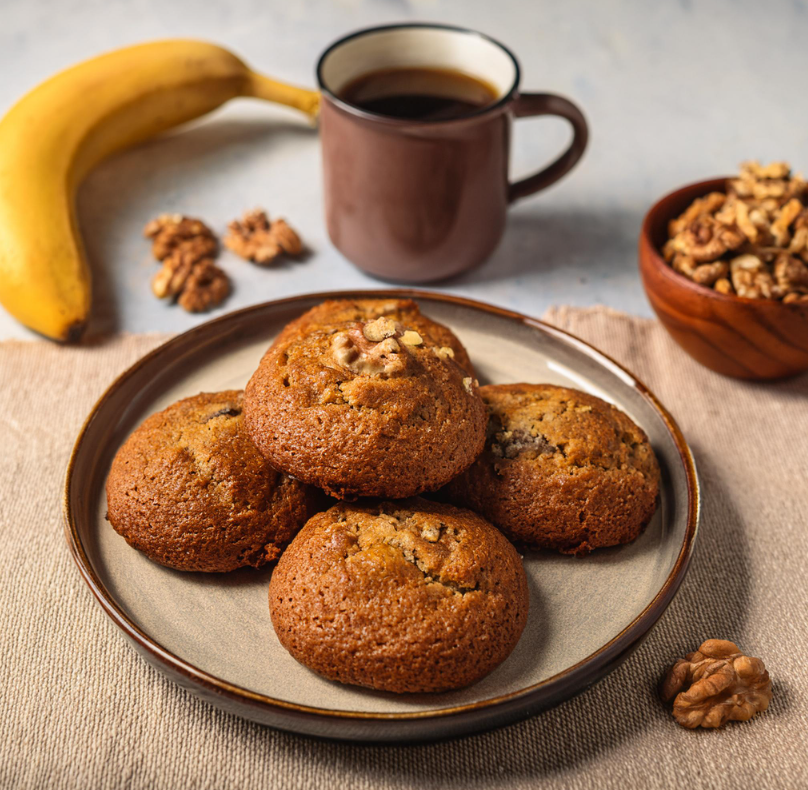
(419, 94)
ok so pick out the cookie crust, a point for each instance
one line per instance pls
(367, 398)
(190, 490)
(561, 470)
(407, 596)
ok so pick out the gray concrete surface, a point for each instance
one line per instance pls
(674, 92)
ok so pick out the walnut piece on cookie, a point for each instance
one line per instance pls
(352, 397)
(374, 358)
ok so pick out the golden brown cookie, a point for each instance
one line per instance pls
(189, 490)
(366, 398)
(561, 470)
(408, 596)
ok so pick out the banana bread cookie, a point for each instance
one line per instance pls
(366, 398)
(189, 489)
(561, 470)
(408, 596)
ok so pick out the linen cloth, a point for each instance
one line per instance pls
(80, 709)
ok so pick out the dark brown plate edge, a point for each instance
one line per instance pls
(464, 718)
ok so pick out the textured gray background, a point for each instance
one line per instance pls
(674, 92)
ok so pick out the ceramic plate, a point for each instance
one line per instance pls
(212, 633)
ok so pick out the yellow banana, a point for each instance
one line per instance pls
(55, 134)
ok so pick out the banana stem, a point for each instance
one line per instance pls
(303, 99)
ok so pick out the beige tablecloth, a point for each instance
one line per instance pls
(78, 708)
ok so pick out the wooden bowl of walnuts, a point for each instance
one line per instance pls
(724, 264)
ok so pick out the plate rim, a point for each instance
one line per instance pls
(530, 696)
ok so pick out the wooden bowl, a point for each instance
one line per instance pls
(732, 335)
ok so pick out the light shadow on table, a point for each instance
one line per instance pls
(794, 388)
(126, 186)
(547, 239)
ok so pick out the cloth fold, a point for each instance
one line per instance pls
(79, 708)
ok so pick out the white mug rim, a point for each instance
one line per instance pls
(495, 107)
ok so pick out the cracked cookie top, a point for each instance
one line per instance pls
(191, 491)
(561, 469)
(405, 596)
(367, 398)
(562, 427)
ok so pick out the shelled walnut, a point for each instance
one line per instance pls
(377, 347)
(716, 684)
(362, 351)
(186, 247)
(256, 239)
(172, 231)
(750, 242)
(206, 287)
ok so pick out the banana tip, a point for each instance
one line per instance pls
(75, 331)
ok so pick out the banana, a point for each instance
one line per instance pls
(59, 131)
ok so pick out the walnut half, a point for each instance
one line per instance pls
(170, 232)
(352, 349)
(206, 287)
(256, 239)
(716, 684)
(378, 347)
(186, 247)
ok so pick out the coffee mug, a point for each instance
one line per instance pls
(415, 201)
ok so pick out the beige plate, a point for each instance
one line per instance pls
(212, 633)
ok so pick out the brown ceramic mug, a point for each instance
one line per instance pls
(418, 201)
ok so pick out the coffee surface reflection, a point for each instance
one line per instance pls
(419, 94)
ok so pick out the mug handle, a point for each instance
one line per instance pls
(531, 104)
